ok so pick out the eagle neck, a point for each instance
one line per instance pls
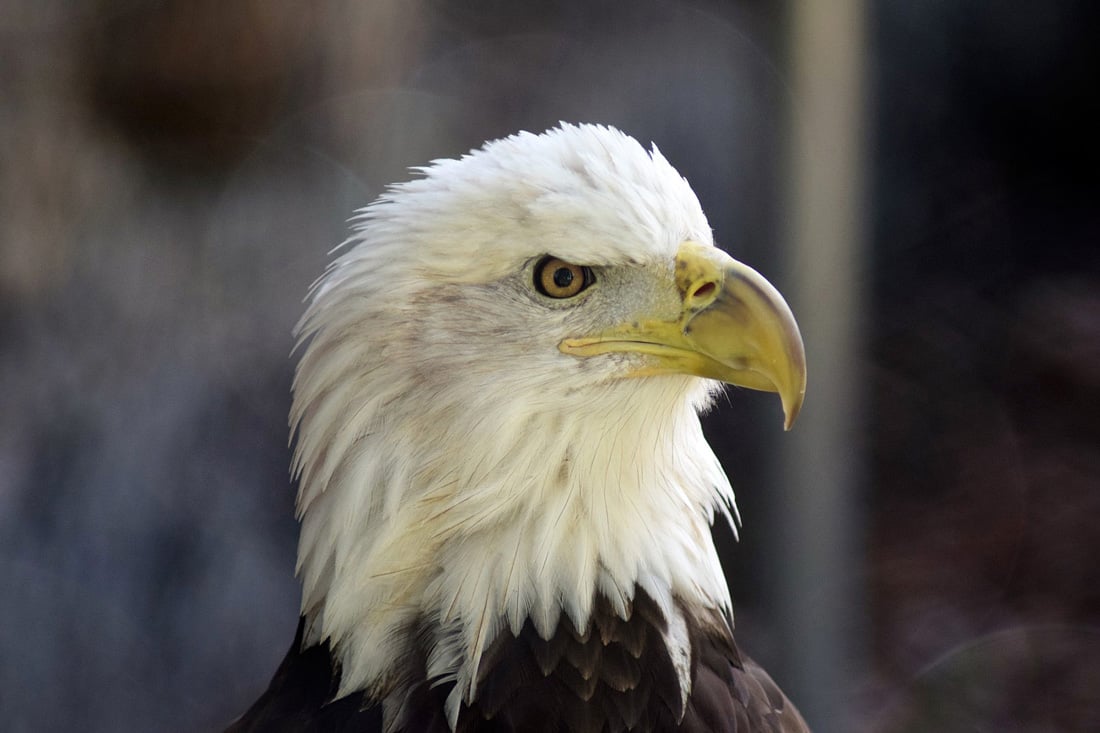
(494, 522)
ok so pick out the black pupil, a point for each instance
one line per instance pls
(563, 277)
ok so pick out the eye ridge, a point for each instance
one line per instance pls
(558, 279)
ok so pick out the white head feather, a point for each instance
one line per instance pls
(456, 468)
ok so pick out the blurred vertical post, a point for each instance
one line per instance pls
(818, 531)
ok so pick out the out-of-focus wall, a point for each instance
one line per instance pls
(984, 370)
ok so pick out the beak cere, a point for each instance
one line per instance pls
(733, 326)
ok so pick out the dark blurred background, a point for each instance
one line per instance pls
(173, 173)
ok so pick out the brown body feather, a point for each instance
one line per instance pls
(617, 675)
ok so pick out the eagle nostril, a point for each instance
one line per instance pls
(703, 291)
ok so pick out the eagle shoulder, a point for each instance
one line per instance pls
(300, 698)
(731, 692)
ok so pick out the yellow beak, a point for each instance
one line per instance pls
(733, 326)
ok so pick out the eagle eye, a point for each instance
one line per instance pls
(556, 278)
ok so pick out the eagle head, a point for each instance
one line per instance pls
(496, 405)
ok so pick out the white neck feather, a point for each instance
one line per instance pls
(476, 520)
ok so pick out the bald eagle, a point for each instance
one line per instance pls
(505, 495)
